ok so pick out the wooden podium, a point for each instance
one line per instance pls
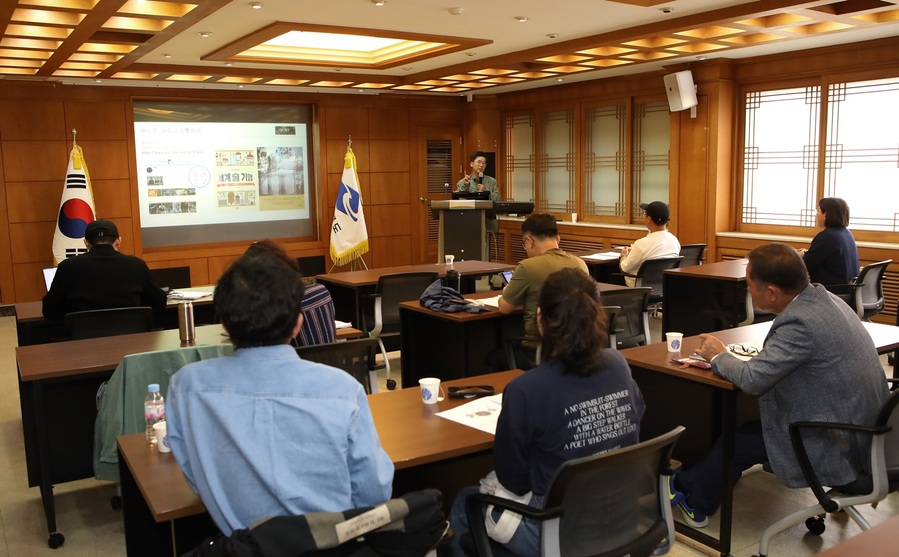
(462, 228)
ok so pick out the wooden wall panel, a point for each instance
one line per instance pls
(388, 220)
(30, 281)
(28, 161)
(389, 156)
(390, 252)
(389, 187)
(105, 159)
(32, 120)
(33, 201)
(199, 270)
(388, 124)
(7, 278)
(96, 121)
(689, 198)
(112, 199)
(32, 242)
(345, 122)
(216, 266)
(337, 152)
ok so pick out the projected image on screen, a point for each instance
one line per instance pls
(228, 172)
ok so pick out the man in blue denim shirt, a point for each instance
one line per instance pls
(264, 433)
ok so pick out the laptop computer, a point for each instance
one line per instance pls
(49, 273)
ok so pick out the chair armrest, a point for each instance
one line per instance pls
(474, 509)
(805, 463)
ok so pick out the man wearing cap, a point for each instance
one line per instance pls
(102, 278)
(657, 244)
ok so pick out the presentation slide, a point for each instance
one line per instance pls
(216, 173)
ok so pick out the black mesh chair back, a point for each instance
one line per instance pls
(611, 504)
(612, 316)
(872, 485)
(867, 299)
(650, 275)
(107, 322)
(400, 287)
(693, 254)
(356, 357)
(631, 323)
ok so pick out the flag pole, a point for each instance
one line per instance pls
(74, 134)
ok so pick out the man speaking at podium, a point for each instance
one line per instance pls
(478, 181)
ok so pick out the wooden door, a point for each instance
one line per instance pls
(441, 149)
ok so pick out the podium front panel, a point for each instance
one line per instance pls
(462, 234)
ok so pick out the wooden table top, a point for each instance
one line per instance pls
(657, 358)
(32, 311)
(880, 541)
(75, 357)
(411, 433)
(370, 277)
(723, 270)
(493, 313)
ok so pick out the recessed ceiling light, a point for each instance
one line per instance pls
(559, 79)
(378, 2)
(456, 11)
(552, 35)
(256, 5)
(700, 58)
(166, 56)
(228, 64)
(471, 54)
(521, 18)
(205, 34)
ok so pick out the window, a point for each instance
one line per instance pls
(600, 161)
(786, 169)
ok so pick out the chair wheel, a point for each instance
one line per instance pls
(115, 502)
(56, 540)
(815, 525)
(391, 385)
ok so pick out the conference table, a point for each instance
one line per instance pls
(58, 385)
(350, 287)
(456, 345)
(708, 406)
(33, 328)
(880, 541)
(702, 298)
(164, 517)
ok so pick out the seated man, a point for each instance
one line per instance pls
(262, 432)
(540, 236)
(655, 245)
(818, 364)
(102, 278)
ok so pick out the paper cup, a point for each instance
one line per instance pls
(430, 390)
(449, 259)
(162, 439)
(573, 217)
(675, 340)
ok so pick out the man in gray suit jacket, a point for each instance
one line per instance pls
(818, 363)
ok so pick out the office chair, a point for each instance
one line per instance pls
(870, 487)
(318, 317)
(612, 315)
(693, 254)
(611, 504)
(650, 274)
(95, 323)
(631, 323)
(409, 526)
(391, 290)
(356, 357)
(866, 291)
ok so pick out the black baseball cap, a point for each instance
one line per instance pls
(100, 228)
(657, 211)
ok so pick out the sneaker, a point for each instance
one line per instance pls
(693, 517)
(674, 496)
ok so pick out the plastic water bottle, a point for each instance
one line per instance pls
(154, 410)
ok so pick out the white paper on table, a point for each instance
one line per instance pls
(757, 344)
(342, 324)
(492, 302)
(481, 413)
(603, 256)
(191, 295)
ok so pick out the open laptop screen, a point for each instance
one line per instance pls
(49, 273)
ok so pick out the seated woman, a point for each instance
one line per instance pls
(547, 411)
(832, 257)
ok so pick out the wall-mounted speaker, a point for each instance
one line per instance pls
(681, 90)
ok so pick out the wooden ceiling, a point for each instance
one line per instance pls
(160, 42)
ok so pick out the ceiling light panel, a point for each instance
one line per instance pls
(47, 17)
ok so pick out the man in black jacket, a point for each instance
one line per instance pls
(102, 278)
